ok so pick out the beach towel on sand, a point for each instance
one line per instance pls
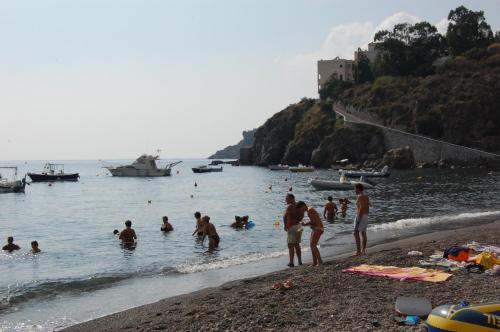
(400, 273)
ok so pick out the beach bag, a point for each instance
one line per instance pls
(457, 253)
(487, 259)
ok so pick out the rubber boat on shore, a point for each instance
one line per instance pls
(206, 169)
(342, 184)
(301, 169)
(12, 185)
(384, 172)
(464, 317)
(144, 166)
(53, 172)
(278, 167)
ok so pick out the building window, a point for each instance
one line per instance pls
(341, 77)
(340, 66)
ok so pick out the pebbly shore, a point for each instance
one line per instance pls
(323, 299)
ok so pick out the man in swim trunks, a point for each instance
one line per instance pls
(210, 231)
(10, 246)
(330, 210)
(317, 230)
(128, 235)
(199, 224)
(291, 221)
(361, 220)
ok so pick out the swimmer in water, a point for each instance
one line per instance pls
(34, 247)
(10, 246)
(166, 226)
(330, 210)
(237, 222)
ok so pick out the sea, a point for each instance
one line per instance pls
(83, 272)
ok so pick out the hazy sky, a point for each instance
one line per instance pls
(84, 79)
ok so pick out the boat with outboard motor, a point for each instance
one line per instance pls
(53, 172)
(144, 166)
(206, 169)
(384, 172)
(11, 185)
(342, 184)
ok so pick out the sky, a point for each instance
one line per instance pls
(102, 79)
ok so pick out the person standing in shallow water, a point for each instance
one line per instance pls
(128, 235)
(293, 230)
(166, 226)
(34, 247)
(330, 210)
(211, 232)
(361, 219)
(199, 226)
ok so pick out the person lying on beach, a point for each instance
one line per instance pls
(210, 231)
(198, 230)
(330, 210)
(34, 247)
(10, 246)
(166, 226)
(361, 220)
(293, 229)
(238, 223)
(317, 230)
(128, 235)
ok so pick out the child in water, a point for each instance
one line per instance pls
(238, 223)
(344, 202)
(34, 247)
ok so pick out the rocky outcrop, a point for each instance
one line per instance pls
(358, 143)
(399, 158)
(233, 151)
(272, 138)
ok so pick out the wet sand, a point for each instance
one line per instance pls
(323, 298)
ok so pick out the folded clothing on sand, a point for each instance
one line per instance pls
(400, 273)
(483, 247)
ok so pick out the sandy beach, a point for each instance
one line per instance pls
(324, 298)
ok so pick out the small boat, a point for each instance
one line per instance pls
(53, 172)
(206, 169)
(342, 184)
(368, 174)
(278, 167)
(301, 169)
(144, 166)
(12, 185)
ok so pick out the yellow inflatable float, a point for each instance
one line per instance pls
(464, 317)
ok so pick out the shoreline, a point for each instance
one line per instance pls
(223, 307)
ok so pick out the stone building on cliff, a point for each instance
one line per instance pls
(337, 68)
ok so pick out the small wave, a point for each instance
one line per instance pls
(228, 262)
(19, 293)
(416, 222)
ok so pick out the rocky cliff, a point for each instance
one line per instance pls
(233, 151)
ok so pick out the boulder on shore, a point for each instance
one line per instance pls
(399, 158)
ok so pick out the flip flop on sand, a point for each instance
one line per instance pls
(288, 284)
(277, 285)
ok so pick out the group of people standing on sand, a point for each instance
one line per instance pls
(11, 246)
(293, 225)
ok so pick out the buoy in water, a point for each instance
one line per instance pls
(149, 202)
(192, 195)
(290, 189)
(196, 184)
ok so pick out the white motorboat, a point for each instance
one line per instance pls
(384, 172)
(301, 169)
(278, 167)
(11, 185)
(144, 166)
(342, 184)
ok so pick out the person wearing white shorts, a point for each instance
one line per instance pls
(361, 220)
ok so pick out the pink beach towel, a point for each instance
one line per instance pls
(400, 273)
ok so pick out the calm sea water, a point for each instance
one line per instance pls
(83, 273)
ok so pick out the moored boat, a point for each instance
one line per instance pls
(341, 184)
(301, 169)
(53, 172)
(384, 172)
(144, 166)
(12, 185)
(206, 169)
